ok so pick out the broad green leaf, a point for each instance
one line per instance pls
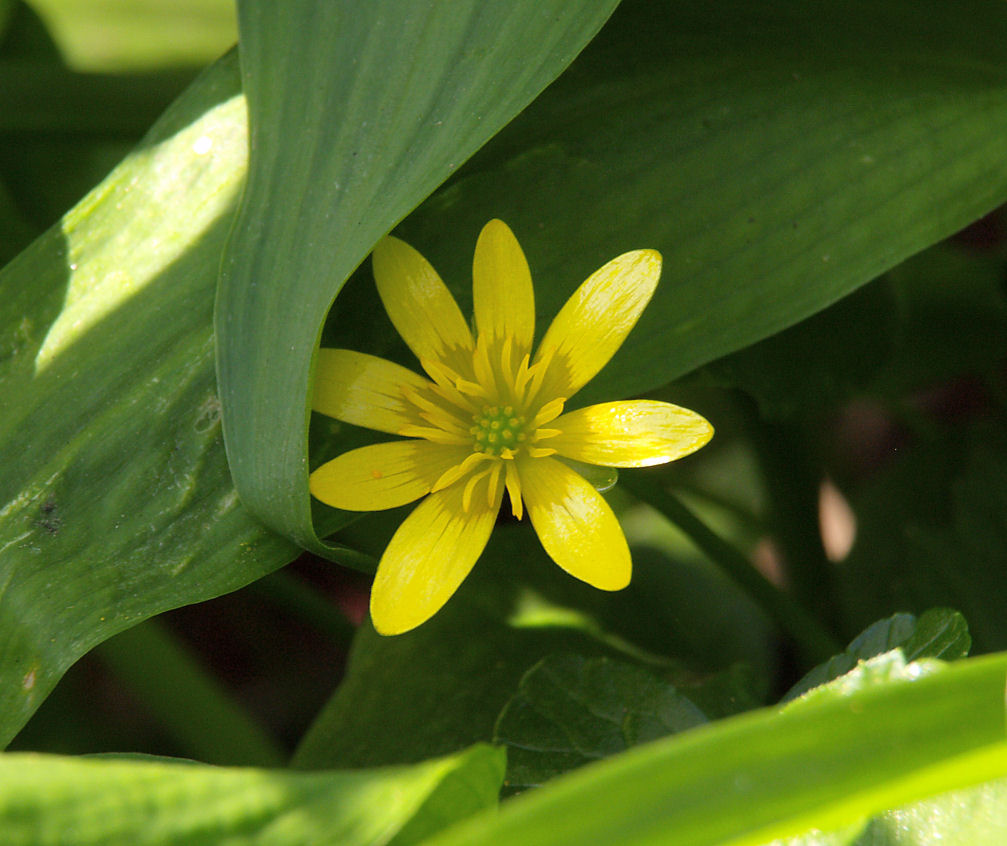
(938, 633)
(441, 687)
(570, 710)
(777, 158)
(388, 100)
(53, 800)
(811, 369)
(821, 763)
(116, 498)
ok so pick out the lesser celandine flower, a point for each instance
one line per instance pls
(490, 418)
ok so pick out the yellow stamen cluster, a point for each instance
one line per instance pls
(498, 431)
(497, 415)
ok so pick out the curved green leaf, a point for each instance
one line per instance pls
(357, 112)
(53, 800)
(115, 500)
(777, 155)
(824, 762)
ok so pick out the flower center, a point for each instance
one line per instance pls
(498, 428)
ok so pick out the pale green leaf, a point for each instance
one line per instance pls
(51, 801)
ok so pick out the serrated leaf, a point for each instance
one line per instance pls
(570, 710)
(49, 800)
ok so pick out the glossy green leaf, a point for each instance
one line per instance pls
(387, 100)
(48, 800)
(938, 633)
(570, 710)
(825, 762)
(778, 157)
(117, 501)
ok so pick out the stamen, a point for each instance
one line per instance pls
(550, 411)
(540, 368)
(493, 488)
(470, 487)
(445, 385)
(471, 388)
(452, 475)
(540, 452)
(505, 363)
(433, 413)
(513, 482)
(521, 379)
(438, 436)
(483, 368)
(542, 434)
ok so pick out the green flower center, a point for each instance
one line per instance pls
(497, 428)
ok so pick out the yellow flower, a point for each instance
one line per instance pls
(489, 418)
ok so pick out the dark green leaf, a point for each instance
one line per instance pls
(441, 687)
(931, 530)
(939, 633)
(570, 710)
(779, 157)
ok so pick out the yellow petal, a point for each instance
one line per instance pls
(419, 304)
(630, 434)
(575, 524)
(365, 390)
(595, 321)
(428, 557)
(380, 476)
(503, 297)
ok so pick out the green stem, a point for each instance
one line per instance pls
(792, 481)
(813, 641)
(202, 716)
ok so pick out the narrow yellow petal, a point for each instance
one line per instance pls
(381, 476)
(637, 433)
(503, 296)
(419, 304)
(596, 320)
(575, 524)
(427, 559)
(365, 390)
